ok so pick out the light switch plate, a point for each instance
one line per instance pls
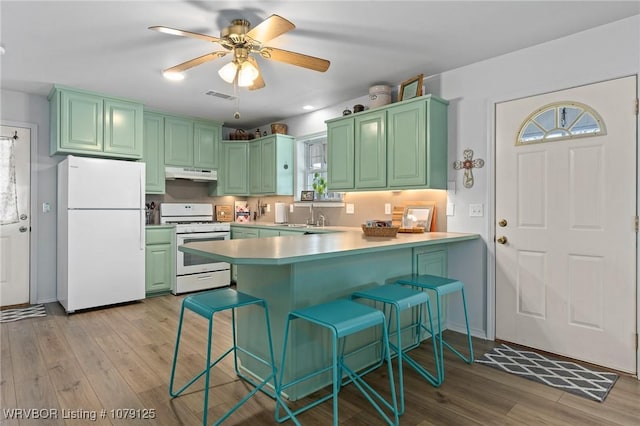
(476, 210)
(387, 208)
(290, 208)
(350, 208)
(451, 209)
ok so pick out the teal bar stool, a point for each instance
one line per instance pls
(402, 299)
(441, 286)
(342, 318)
(207, 304)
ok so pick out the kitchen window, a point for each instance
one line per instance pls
(312, 159)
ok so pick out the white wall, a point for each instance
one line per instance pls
(31, 109)
(598, 54)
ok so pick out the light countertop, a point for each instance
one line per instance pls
(285, 250)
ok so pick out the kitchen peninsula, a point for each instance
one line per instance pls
(292, 272)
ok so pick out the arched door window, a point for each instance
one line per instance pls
(560, 120)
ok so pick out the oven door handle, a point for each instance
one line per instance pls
(203, 235)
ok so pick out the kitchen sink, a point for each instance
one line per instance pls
(297, 225)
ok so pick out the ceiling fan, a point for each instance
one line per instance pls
(242, 41)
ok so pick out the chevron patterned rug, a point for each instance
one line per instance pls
(565, 375)
(10, 315)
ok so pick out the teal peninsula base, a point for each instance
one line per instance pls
(292, 272)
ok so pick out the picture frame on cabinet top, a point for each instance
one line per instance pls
(411, 88)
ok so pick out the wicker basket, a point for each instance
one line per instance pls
(238, 135)
(377, 231)
(280, 128)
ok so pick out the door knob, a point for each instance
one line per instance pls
(23, 216)
(23, 229)
(501, 240)
(502, 223)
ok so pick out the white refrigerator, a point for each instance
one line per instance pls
(101, 232)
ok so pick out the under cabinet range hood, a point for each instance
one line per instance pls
(190, 173)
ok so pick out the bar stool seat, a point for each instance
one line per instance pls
(441, 286)
(401, 299)
(342, 318)
(206, 305)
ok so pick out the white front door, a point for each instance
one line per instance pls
(15, 221)
(565, 210)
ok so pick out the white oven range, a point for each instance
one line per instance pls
(194, 222)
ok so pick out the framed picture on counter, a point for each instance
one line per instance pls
(307, 195)
(418, 216)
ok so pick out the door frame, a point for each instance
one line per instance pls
(491, 212)
(33, 199)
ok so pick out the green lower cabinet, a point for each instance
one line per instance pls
(265, 233)
(160, 259)
(238, 233)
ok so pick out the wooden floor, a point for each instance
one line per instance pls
(119, 358)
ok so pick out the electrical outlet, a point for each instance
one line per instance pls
(387, 208)
(268, 208)
(476, 210)
(350, 208)
(46, 207)
(290, 208)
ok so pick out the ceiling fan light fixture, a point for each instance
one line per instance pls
(173, 75)
(245, 70)
(247, 74)
(228, 72)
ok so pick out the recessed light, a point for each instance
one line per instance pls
(173, 76)
(308, 107)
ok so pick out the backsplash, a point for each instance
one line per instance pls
(367, 205)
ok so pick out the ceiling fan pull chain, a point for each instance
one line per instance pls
(237, 95)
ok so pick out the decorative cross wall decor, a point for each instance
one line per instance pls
(467, 164)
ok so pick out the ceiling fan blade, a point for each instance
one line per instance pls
(270, 28)
(306, 61)
(258, 83)
(183, 33)
(196, 61)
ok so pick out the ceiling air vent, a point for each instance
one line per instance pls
(220, 95)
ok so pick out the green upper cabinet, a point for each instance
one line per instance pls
(263, 166)
(271, 165)
(371, 150)
(87, 123)
(398, 146)
(178, 141)
(340, 151)
(191, 143)
(206, 140)
(234, 179)
(154, 152)
(417, 144)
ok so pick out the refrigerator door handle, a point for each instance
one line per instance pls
(142, 212)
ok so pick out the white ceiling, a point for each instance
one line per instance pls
(105, 46)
